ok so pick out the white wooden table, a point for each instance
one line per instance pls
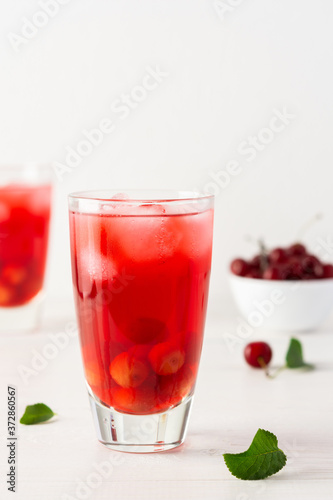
(58, 460)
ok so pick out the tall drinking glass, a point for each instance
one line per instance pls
(25, 199)
(141, 266)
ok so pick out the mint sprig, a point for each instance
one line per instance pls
(261, 460)
(294, 357)
(35, 414)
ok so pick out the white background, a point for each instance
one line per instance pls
(227, 72)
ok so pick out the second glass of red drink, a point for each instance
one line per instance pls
(25, 201)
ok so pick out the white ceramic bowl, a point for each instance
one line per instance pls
(283, 305)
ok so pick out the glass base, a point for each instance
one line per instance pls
(22, 318)
(141, 433)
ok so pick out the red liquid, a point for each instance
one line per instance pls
(141, 288)
(24, 227)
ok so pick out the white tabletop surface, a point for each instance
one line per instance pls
(57, 460)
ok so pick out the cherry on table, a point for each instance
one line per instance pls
(258, 354)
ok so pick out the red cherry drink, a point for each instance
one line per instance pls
(141, 288)
(24, 227)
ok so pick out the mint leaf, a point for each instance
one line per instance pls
(37, 413)
(294, 356)
(261, 460)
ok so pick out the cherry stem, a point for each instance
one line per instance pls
(263, 251)
(263, 255)
(308, 224)
(279, 370)
(262, 247)
(263, 365)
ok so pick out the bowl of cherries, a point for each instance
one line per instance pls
(287, 289)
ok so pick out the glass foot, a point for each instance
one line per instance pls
(25, 318)
(141, 433)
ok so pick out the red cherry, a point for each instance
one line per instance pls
(258, 354)
(277, 256)
(292, 270)
(166, 358)
(311, 265)
(296, 249)
(172, 388)
(272, 273)
(239, 267)
(139, 400)
(145, 330)
(253, 273)
(129, 371)
(328, 271)
(255, 262)
(318, 271)
(94, 375)
(296, 270)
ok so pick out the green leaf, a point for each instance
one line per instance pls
(37, 413)
(261, 460)
(294, 356)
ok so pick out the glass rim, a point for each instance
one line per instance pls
(25, 173)
(26, 165)
(96, 195)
